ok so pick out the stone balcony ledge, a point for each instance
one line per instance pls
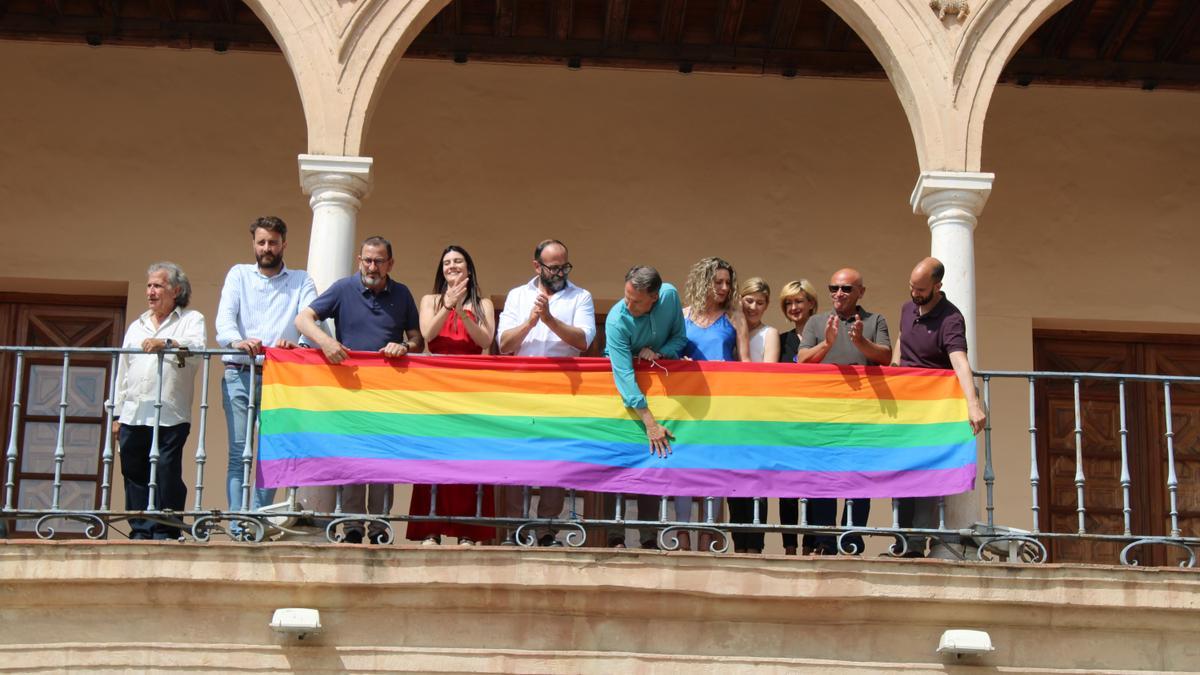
(100, 605)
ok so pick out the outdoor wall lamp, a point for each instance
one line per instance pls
(961, 642)
(298, 621)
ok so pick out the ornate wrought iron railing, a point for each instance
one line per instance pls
(979, 541)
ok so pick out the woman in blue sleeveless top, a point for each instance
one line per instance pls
(716, 331)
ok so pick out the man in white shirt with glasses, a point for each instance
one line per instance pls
(548, 316)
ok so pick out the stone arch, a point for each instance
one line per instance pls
(340, 53)
(945, 71)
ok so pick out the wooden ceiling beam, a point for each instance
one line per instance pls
(672, 21)
(1066, 26)
(731, 22)
(1183, 27)
(783, 27)
(564, 16)
(836, 32)
(148, 31)
(649, 55)
(616, 21)
(1094, 71)
(165, 8)
(51, 9)
(503, 24)
(1118, 34)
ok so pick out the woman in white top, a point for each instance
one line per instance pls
(755, 297)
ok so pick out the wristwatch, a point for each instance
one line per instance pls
(169, 343)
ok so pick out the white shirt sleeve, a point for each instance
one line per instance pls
(585, 317)
(191, 331)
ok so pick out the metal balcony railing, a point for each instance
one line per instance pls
(978, 541)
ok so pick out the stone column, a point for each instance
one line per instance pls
(953, 201)
(337, 186)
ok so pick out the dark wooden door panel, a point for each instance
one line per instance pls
(1176, 359)
(1100, 443)
(60, 322)
(1101, 440)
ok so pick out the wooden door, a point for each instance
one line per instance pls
(56, 321)
(1175, 359)
(1100, 423)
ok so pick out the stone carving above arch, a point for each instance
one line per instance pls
(958, 9)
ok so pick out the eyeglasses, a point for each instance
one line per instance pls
(558, 269)
(845, 288)
(377, 262)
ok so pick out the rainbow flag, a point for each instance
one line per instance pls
(741, 429)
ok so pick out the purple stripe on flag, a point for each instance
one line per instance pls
(599, 478)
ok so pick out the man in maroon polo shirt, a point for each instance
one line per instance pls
(933, 334)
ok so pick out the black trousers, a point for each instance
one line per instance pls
(789, 514)
(824, 512)
(171, 493)
(920, 512)
(741, 510)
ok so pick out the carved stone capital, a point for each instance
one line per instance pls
(334, 179)
(951, 196)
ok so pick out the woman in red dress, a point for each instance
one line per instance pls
(454, 320)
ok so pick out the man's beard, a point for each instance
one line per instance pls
(921, 301)
(554, 284)
(276, 261)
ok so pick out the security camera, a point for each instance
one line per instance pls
(298, 621)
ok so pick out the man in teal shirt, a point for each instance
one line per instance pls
(648, 324)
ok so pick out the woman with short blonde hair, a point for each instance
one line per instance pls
(798, 300)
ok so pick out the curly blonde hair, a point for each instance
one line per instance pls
(700, 285)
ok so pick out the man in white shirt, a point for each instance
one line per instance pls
(258, 309)
(166, 325)
(549, 316)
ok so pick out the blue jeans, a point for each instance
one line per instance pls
(235, 398)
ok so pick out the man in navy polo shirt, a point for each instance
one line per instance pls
(933, 334)
(371, 312)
